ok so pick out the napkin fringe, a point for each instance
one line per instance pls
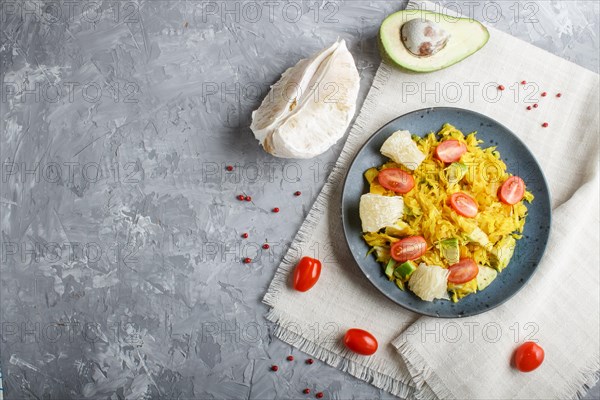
(589, 376)
(376, 373)
(421, 373)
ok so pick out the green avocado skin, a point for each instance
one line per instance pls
(389, 60)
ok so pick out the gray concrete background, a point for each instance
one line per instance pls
(121, 251)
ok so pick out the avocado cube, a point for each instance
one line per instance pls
(485, 276)
(455, 172)
(405, 270)
(502, 252)
(450, 250)
(478, 236)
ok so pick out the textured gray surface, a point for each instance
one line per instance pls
(121, 251)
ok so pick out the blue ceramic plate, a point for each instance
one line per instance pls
(520, 162)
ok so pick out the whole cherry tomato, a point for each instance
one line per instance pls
(528, 356)
(307, 273)
(360, 341)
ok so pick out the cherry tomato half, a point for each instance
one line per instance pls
(463, 204)
(450, 151)
(528, 357)
(409, 248)
(463, 271)
(397, 180)
(360, 341)
(512, 190)
(307, 273)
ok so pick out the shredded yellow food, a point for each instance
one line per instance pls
(427, 213)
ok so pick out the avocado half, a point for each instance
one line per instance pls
(466, 37)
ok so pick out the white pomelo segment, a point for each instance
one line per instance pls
(293, 81)
(314, 111)
(378, 211)
(403, 150)
(429, 282)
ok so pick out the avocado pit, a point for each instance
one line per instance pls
(423, 37)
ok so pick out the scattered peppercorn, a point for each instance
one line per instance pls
(289, 358)
(306, 391)
(310, 361)
(298, 193)
(501, 87)
(523, 82)
(266, 246)
(544, 94)
(319, 395)
(241, 197)
(229, 168)
(247, 260)
(248, 198)
(529, 107)
(245, 235)
(545, 124)
(274, 368)
(558, 94)
(535, 105)
(276, 210)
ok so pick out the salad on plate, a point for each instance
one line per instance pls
(443, 215)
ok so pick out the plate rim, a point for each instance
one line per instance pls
(345, 222)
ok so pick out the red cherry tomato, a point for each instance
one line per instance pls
(528, 357)
(397, 180)
(450, 151)
(463, 204)
(360, 341)
(463, 271)
(512, 190)
(307, 273)
(409, 248)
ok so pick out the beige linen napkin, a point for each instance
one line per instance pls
(559, 307)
